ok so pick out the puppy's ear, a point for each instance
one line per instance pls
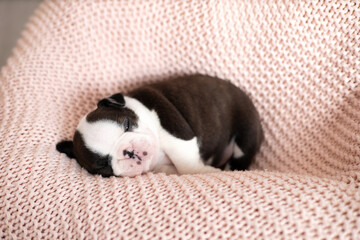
(66, 147)
(116, 101)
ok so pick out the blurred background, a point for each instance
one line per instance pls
(13, 16)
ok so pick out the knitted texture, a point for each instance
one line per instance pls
(299, 61)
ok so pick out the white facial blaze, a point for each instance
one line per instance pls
(100, 136)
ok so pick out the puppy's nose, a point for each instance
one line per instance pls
(128, 153)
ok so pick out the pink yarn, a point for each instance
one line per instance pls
(299, 62)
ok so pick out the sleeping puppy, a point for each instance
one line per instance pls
(192, 124)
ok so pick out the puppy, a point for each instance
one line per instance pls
(192, 124)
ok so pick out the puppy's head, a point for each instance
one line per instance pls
(111, 141)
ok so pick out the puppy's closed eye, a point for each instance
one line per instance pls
(127, 125)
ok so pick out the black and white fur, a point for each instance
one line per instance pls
(198, 124)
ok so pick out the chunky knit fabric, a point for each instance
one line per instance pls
(299, 62)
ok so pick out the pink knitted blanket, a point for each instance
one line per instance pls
(298, 60)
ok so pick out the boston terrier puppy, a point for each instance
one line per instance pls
(186, 125)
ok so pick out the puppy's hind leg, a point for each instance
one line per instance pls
(242, 162)
(245, 148)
